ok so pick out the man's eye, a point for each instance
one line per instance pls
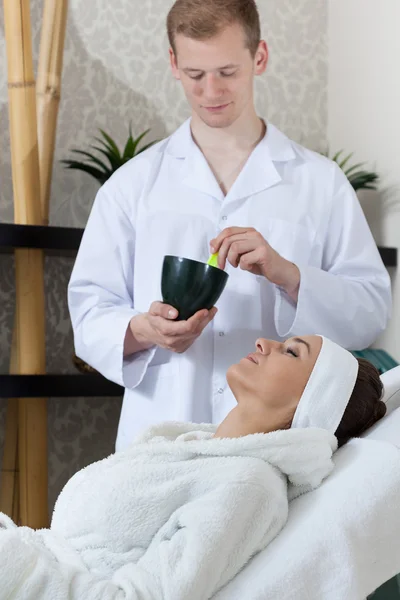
(292, 352)
(224, 74)
(197, 77)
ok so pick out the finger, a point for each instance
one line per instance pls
(248, 261)
(195, 320)
(159, 309)
(175, 329)
(209, 317)
(205, 320)
(211, 314)
(238, 250)
(216, 243)
(249, 240)
(169, 328)
(225, 248)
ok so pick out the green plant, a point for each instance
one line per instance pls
(97, 168)
(359, 178)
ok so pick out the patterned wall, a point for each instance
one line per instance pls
(115, 58)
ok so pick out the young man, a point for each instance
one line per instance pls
(286, 223)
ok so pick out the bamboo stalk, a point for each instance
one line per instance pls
(10, 465)
(48, 89)
(15, 515)
(32, 434)
(30, 305)
(9, 479)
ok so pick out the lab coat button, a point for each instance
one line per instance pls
(224, 217)
(220, 391)
(221, 334)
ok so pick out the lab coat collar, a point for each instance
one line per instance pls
(258, 174)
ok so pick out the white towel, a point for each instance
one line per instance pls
(176, 516)
(341, 541)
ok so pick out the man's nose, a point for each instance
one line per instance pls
(212, 87)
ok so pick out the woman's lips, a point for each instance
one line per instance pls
(252, 358)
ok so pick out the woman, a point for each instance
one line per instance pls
(185, 508)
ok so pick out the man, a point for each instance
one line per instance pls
(285, 221)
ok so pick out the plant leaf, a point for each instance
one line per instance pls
(114, 158)
(129, 149)
(110, 142)
(93, 158)
(107, 148)
(336, 156)
(96, 173)
(353, 168)
(363, 174)
(115, 162)
(138, 140)
(345, 161)
(364, 180)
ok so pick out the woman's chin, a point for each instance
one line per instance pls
(237, 375)
(231, 376)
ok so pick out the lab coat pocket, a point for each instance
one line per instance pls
(155, 399)
(157, 372)
(159, 392)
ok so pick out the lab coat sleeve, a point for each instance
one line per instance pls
(200, 549)
(207, 543)
(348, 298)
(100, 293)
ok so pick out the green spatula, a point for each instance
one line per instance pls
(213, 260)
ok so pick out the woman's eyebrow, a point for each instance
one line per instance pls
(301, 341)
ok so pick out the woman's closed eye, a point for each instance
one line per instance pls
(292, 352)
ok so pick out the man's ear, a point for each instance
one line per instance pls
(261, 58)
(174, 64)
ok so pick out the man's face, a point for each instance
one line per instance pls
(217, 74)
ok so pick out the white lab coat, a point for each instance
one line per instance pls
(167, 201)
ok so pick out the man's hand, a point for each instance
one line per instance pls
(159, 328)
(246, 248)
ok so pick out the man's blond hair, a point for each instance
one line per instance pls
(203, 19)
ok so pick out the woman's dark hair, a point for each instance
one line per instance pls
(365, 406)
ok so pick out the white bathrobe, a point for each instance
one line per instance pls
(176, 516)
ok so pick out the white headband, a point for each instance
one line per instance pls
(328, 389)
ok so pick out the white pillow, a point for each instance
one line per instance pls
(391, 381)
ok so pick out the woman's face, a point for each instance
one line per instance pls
(270, 381)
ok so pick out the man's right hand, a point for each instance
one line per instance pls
(158, 327)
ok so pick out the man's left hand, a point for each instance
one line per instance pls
(246, 248)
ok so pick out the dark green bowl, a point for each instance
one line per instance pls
(189, 285)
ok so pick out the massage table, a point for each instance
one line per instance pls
(341, 541)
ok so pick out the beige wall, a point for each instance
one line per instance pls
(116, 70)
(364, 114)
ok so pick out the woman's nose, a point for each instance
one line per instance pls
(263, 345)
